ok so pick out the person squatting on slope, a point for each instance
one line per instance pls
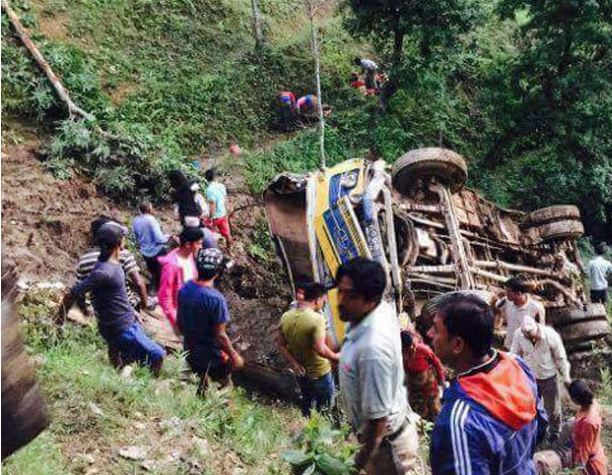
(371, 372)
(117, 321)
(202, 319)
(301, 339)
(492, 417)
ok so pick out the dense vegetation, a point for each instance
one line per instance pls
(521, 88)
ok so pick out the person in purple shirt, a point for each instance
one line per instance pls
(117, 322)
(151, 240)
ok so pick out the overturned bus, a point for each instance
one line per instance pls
(434, 235)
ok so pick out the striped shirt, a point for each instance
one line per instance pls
(89, 259)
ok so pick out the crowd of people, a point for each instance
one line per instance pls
(493, 416)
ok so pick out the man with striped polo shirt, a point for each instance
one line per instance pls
(89, 259)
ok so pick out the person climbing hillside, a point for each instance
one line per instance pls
(89, 259)
(307, 107)
(178, 267)
(190, 207)
(216, 195)
(202, 318)
(117, 322)
(151, 240)
(287, 113)
(301, 339)
(369, 68)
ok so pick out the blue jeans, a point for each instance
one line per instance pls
(316, 392)
(133, 345)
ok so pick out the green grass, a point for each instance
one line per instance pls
(175, 80)
(95, 411)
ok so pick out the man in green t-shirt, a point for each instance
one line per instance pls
(301, 339)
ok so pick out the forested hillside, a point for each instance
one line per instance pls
(519, 87)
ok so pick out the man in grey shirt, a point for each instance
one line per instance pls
(371, 372)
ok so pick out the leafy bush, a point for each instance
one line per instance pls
(321, 450)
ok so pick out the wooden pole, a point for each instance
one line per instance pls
(259, 40)
(60, 90)
(315, 49)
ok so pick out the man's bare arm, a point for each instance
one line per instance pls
(325, 351)
(370, 439)
(138, 281)
(281, 342)
(226, 345)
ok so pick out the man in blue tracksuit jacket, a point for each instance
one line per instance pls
(492, 417)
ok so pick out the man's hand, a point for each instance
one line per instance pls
(237, 362)
(298, 369)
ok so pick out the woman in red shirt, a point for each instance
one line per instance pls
(587, 451)
(424, 375)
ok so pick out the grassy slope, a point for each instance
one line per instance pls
(95, 411)
(176, 79)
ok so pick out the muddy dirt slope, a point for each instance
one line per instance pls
(45, 224)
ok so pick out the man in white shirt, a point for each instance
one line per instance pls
(598, 270)
(371, 372)
(516, 306)
(369, 68)
(542, 349)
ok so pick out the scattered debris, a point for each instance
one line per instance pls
(148, 465)
(95, 409)
(133, 452)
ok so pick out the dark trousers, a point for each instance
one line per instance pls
(549, 390)
(317, 393)
(154, 268)
(599, 296)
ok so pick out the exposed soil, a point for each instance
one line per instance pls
(45, 224)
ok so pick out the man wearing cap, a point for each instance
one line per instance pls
(89, 259)
(117, 322)
(516, 306)
(202, 319)
(301, 339)
(542, 349)
(178, 266)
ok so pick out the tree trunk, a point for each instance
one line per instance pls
(61, 91)
(392, 84)
(257, 33)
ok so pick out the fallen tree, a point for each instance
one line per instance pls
(61, 91)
